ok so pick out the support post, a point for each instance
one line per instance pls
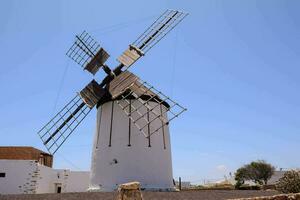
(179, 183)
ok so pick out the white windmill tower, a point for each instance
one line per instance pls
(132, 140)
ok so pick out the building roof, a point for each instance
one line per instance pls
(21, 153)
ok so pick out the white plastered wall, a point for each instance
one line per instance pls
(78, 181)
(47, 179)
(151, 166)
(29, 177)
(19, 176)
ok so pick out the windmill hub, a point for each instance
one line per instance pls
(132, 140)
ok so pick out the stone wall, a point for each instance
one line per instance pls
(275, 197)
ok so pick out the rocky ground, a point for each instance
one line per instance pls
(200, 194)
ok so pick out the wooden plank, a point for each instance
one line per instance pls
(127, 80)
(125, 60)
(130, 56)
(121, 83)
(97, 61)
(92, 93)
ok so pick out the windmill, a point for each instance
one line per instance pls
(132, 139)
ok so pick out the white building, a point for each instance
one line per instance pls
(121, 153)
(26, 170)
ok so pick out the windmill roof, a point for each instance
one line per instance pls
(128, 82)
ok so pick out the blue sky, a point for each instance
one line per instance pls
(234, 64)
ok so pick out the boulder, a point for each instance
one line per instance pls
(130, 191)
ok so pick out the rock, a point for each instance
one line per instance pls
(130, 186)
(297, 196)
(276, 197)
(130, 191)
(280, 197)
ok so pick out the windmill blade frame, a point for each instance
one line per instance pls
(87, 53)
(151, 36)
(159, 29)
(150, 105)
(62, 125)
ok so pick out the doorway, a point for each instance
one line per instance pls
(57, 187)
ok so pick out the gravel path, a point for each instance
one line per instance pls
(202, 194)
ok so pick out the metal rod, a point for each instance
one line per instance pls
(148, 128)
(111, 122)
(129, 126)
(99, 123)
(163, 130)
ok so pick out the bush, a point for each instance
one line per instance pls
(218, 186)
(222, 186)
(200, 187)
(249, 187)
(289, 183)
(257, 171)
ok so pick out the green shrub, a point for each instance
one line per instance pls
(249, 187)
(289, 183)
(217, 186)
(200, 187)
(238, 184)
(257, 171)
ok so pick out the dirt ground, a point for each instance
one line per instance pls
(201, 194)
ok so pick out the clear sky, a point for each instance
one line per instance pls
(234, 64)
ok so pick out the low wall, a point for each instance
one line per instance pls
(275, 197)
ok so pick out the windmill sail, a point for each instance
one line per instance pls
(87, 52)
(151, 36)
(60, 127)
(163, 25)
(149, 106)
(92, 93)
